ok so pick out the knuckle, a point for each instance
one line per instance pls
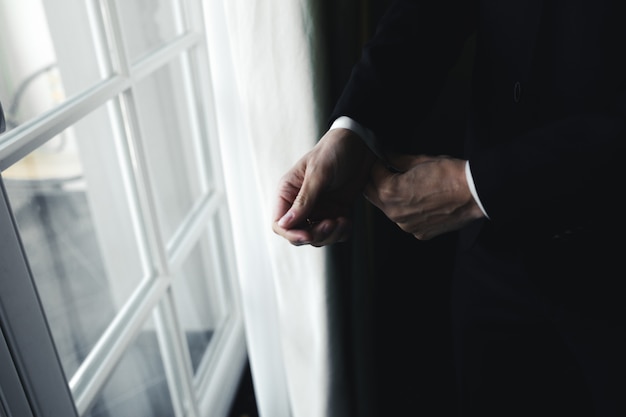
(300, 200)
(387, 196)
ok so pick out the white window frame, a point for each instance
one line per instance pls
(211, 390)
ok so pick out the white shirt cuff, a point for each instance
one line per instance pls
(472, 187)
(350, 124)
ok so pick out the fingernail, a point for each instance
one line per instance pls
(285, 219)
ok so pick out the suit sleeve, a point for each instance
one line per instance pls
(560, 177)
(562, 171)
(404, 65)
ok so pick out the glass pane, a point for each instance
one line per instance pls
(70, 204)
(200, 298)
(147, 25)
(169, 144)
(138, 386)
(47, 54)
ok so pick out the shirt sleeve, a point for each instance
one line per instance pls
(350, 124)
(472, 187)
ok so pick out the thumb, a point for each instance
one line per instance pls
(379, 175)
(302, 204)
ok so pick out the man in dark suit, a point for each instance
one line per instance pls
(539, 291)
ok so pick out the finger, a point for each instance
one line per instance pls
(321, 233)
(331, 231)
(324, 233)
(283, 204)
(379, 174)
(297, 237)
(302, 204)
(288, 188)
(339, 231)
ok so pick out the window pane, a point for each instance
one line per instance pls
(43, 59)
(169, 144)
(147, 25)
(200, 297)
(138, 386)
(70, 204)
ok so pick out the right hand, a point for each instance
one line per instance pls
(316, 196)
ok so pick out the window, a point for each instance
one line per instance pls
(112, 175)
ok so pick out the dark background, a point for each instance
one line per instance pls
(394, 289)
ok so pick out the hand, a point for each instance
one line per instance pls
(428, 198)
(316, 196)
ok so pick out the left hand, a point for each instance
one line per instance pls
(429, 197)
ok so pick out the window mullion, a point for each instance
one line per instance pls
(19, 142)
(147, 208)
(176, 359)
(162, 56)
(94, 371)
(101, 38)
(193, 227)
(117, 50)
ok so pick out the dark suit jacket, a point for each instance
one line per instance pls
(546, 131)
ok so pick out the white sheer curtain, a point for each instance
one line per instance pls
(267, 101)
